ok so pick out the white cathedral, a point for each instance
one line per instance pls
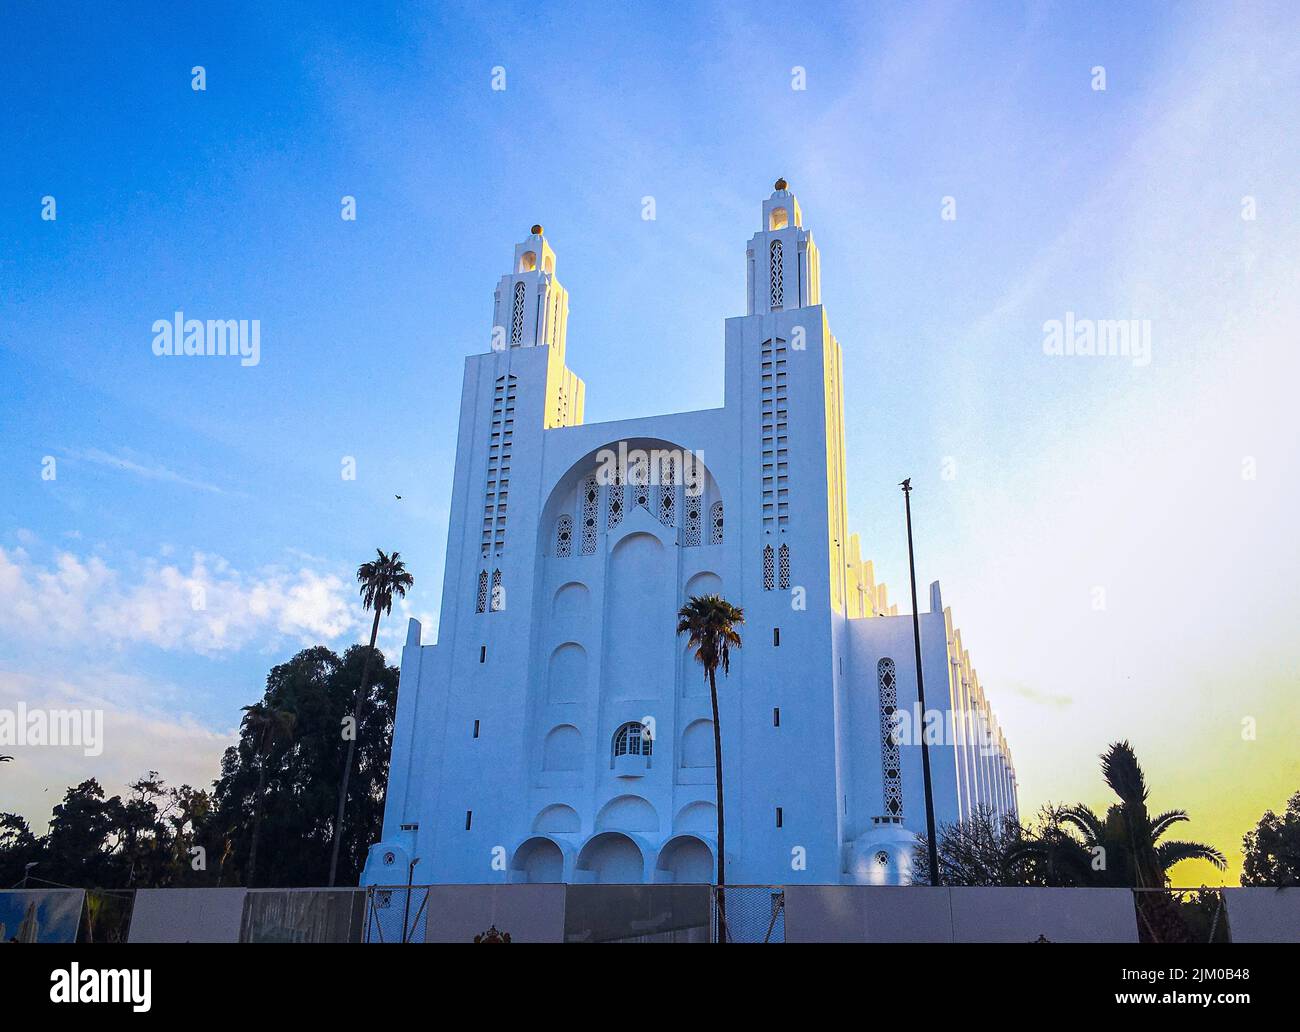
(560, 731)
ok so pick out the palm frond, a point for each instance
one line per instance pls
(1170, 853)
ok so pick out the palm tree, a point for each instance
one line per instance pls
(1126, 842)
(380, 580)
(1128, 834)
(267, 724)
(711, 622)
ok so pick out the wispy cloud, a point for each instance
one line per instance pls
(144, 469)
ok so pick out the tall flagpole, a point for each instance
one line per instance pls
(906, 485)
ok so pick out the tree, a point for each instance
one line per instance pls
(268, 725)
(982, 849)
(1272, 850)
(1123, 849)
(711, 623)
(380, 579)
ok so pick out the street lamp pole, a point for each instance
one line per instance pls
(906, 485)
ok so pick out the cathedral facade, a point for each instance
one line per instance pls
(560, 730)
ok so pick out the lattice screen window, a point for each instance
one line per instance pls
(693, 522)
(639, 475)
(890, 769)
(775, 436)
(783, 565)
(614, 501)
(564, 536)
(769, 573)
(777, 262)
(517, 315)
(498, 602)
(497, 491)
(668, 494)
(715, 524)
(481, 606)
(590, 497)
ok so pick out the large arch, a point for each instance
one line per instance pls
(537, 860)
(686, 858)
(610, 857)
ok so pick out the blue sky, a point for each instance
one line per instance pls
(1071, 474)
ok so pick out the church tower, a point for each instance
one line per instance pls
(783, 265)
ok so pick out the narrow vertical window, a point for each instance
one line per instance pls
(469, 819)
(776, 263)
(481, 607)
(776, 637)
(784, 566)
(498, 592)
(769, 577)
(476, 729)
(590, 495)
(890, 773)
(776, 716)
(780, 817)
(482, 653)
(517, 315)
(715, 524)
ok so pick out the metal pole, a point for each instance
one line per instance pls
(920, 692)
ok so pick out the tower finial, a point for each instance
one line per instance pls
(537, 229)
(781, 184)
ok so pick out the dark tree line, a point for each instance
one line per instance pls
(281, 789)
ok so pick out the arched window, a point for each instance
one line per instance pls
(777, 271)
(564, 536)
(481, 607)
(498, 592)
(633, 739)
(769, 570)
(715, 524)
(517, 315)
(890, 772)
(783, 567)
(779, 219)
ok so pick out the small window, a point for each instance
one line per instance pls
(776, 716)
(482, 653)
(469, 819)
(779, 219)
(776, 637)
(779, 817)
(476, 729)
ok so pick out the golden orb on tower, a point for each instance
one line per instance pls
(537, 229)
(781, 184)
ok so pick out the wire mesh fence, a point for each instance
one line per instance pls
(396, 913)
(749, 913)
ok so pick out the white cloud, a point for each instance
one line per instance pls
(205, 606)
